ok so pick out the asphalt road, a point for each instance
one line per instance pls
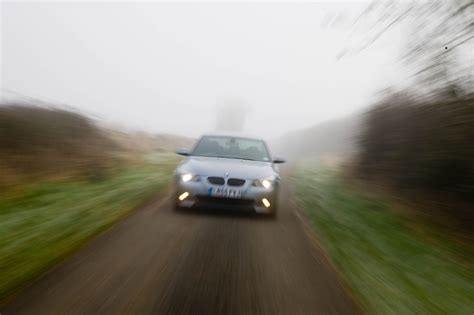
(162, 262)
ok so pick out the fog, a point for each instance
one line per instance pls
(369, 104)
(170, 68)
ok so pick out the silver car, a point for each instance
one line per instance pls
(228, 172)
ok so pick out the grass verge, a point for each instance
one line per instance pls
(390, 267)
(50, 220)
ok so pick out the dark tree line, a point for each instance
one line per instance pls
(423, 150)
(39, 141)
(420, 139)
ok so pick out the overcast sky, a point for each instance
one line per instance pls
(166, 67)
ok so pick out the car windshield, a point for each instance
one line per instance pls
(230, 147)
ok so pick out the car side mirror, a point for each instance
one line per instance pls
(182, 151)
(278, 160)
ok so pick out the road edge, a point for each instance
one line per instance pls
(161, 196)
(315, 244)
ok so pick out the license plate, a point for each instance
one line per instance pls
(225, 192)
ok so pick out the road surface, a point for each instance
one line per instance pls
(162, 262)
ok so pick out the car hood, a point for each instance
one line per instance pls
(212, 166)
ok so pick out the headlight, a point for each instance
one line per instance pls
(265, 183)
(188, 176)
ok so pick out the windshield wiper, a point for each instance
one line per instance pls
(246, 159)
(233, 157)
(230, 157)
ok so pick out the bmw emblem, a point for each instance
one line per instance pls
(227, 175)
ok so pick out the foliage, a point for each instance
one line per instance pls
(42, 223)
(438, 40)
(40, 141)
(423, 148)
(392, 264)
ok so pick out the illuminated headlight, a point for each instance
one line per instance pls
(188, 177)
(265, 183)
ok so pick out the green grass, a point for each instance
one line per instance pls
(390, 267)
(47, 221)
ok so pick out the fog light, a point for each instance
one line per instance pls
(266, 203)
(183, 196)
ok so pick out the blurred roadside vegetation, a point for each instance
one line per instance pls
(397, 216)
(416, 142)
(64, 179)
(422, 151)
(392, 263)
(38, 142)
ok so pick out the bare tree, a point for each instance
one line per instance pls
(439, 48)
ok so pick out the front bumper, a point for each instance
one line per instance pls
(252, 196)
